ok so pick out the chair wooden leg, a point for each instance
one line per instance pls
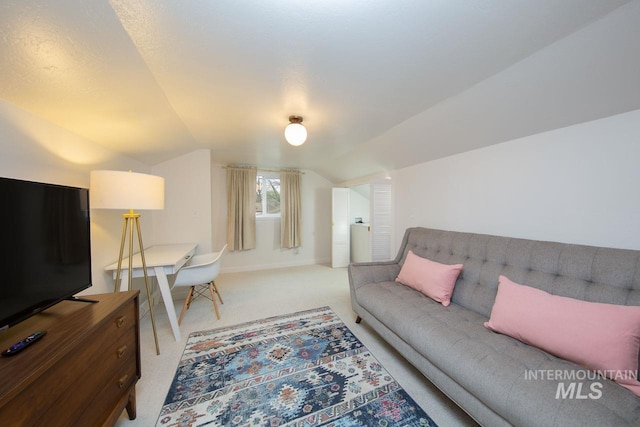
(213, 298)
(187, 303)
(191, 295)
(215, 288)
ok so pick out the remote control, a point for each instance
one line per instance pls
(19, 346)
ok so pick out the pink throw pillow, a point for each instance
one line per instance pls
(433, 279)
(602, 337)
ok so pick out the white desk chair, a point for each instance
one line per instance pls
(201, 271)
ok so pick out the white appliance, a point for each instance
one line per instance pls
(360, 243)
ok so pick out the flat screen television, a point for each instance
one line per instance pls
(45, 248)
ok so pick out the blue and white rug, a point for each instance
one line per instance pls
(301, 369)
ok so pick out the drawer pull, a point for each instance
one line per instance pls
(120, 351)
(120, 321)
(123, 380)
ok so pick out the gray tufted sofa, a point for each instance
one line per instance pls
(492, 376)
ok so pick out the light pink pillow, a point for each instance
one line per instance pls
(601, 337)
(433, 279)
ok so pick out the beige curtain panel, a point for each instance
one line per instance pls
(290, 209)
(241, 208)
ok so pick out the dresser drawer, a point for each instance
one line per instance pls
(82, 394)
(118, 387)
(63, 377)
(121, 320)
(87, 359)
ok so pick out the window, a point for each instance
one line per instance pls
(267, 194)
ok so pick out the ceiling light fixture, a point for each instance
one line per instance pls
(295, 133)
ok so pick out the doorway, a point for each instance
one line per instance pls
(362, 223)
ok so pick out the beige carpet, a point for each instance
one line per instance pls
(254, 295)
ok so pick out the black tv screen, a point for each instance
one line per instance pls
(45, 248)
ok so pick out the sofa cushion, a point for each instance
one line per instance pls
(433, 279)
(601, 337)
(594, 274)
(494, 367)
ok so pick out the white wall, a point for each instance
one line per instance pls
(218, 206)
(186, 217)
(316, 228)
(578, 184)
(359, 204)
(34, 149)
(590, 74)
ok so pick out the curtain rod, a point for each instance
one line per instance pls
(262, 169)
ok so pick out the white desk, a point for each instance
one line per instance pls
(161, 260)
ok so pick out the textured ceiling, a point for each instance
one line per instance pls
(154, 79)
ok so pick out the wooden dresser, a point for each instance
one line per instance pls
(83, 372)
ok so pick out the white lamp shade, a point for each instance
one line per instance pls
(295, 134)
(126, 190)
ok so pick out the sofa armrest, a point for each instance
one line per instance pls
(363, 273)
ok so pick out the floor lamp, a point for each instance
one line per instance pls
(129, 191)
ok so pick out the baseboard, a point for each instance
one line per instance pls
(157, 298)
(273, 265)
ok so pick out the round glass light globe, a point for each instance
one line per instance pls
(295, 134)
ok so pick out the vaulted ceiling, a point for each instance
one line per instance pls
(154, 79)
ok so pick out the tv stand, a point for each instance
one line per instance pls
(82, 373)
(77, 299)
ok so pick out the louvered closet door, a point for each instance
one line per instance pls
(381, 220)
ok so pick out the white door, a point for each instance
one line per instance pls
(340, 248)
(381, 225)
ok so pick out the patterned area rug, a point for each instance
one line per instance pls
(301, 369)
